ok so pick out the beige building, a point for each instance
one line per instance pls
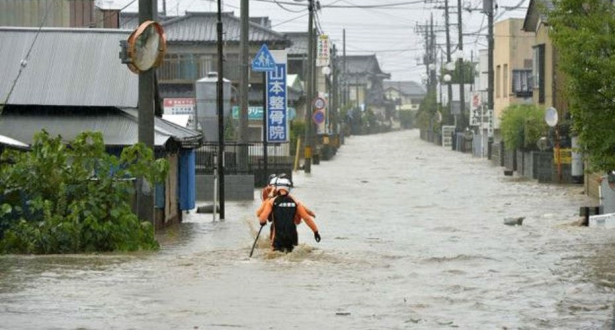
(512, 66)
(549, 82)
(405, 95)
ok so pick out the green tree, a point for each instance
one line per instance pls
(583, 33)
(60, 198)
(522, 125)
(426, 116)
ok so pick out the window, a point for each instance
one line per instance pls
(505, 81)
(497, 81)
(538, 70)
(522, 83)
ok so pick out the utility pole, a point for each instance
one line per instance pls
(335, 90)
(488, 9)
(345, 73)
(462, 101)
(164, 8)
(432, 57)
(244, 82)
(220, 101)
(145, 190)
(310, 91)
(449, 91)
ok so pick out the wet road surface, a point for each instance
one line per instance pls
(413, 237)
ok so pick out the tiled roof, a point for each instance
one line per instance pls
(200, 27)
(410, 88)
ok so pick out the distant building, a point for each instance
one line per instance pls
(405, 95)
(73, 82)
(363, 83)
(192, 54)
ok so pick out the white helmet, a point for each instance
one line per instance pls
(283, 183)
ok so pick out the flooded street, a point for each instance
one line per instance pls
(412, 237)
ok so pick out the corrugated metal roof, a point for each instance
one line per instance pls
(119, 128)
(201, 27)
(405, 87)
(67, 67)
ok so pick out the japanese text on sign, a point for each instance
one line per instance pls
(322, 56)
(277, 120)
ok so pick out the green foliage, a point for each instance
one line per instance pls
(426, 116)
(406, 119)
(297, 129)
(522, 125)
(73, 198)
(582, 31)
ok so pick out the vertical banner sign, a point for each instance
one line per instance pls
(475, 112)
(277, 119)
(323, 50)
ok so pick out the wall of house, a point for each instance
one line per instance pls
(60, 13)
(513, 49)
(542, 38)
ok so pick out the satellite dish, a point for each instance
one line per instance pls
(551, 117)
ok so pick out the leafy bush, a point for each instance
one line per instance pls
(522, 125)
(73, 198)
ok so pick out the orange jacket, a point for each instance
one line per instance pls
(267, 207)
(266, 192)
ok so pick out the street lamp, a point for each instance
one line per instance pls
(432, 66)
(447, 78)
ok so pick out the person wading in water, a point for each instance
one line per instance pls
(286, 214)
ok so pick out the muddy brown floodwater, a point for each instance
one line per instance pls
(412, 237)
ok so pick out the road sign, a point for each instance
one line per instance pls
(319, 103)
(318, 117)
(263, 60)
(277, 103)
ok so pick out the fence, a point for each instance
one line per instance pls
(246, 159)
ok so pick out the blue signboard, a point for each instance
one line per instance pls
(263, 60)
(277, 119)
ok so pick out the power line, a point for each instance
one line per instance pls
(289, 10)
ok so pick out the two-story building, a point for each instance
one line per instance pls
(405, 95)
(363, 83)
(512, 60)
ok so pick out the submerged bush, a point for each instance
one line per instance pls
(522, 126)
(60, 198)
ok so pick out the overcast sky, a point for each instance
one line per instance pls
(390, 33)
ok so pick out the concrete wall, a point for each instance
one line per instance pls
(236, 187)
(525, 164)
(592, 184)
(510, 160)
(496, 154)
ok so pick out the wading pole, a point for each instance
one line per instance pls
(256, 240)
